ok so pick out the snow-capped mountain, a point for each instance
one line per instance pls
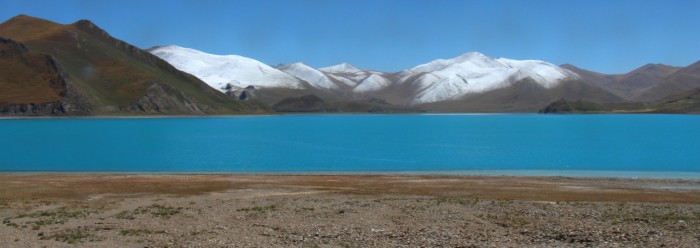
(476, 73)
(338, 77)
(219, 71)
(469, 82)
(341, 68)
(309, 74)
(361, 81)
(373, 82)
(439, 80)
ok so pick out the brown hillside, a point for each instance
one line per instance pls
(27, 77)
(113, 76)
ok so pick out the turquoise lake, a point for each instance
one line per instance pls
(586, 145)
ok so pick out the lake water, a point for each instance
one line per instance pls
(527, 144)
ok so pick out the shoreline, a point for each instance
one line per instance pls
(332, 114)
(128, 116)
(574, 174)
(546, 188)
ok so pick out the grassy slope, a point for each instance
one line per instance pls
(26, 77)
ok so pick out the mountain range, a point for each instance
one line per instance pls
(470, 82)
(79, 69)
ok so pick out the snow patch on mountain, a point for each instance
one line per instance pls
(361, 81)
(343, 80)
(473, 72)
(221, 70)
(341, 68)
(373, 82)
(313, 76)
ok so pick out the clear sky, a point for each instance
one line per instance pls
(610, 36)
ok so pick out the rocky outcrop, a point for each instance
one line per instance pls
(557, 107)
(72, 104)
(248, 93)
(49, 108)
(34, 84)
(244, 94)
(67, 106)
(162, 99)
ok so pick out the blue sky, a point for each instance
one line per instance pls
(599, 35)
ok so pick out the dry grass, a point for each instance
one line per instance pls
(27, 77)
(81, 186)
(16, 28)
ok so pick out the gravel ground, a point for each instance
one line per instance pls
(266, 211)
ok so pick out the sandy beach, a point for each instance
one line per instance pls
(98, 210)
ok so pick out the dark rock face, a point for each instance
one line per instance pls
(248, 93)
(48, 108)
(11, 48)
(68, 106)
(243, 96)
(563, 106)
(72, 104)
(557, 107)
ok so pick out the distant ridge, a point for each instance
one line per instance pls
(637, 84)
(686, 102)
